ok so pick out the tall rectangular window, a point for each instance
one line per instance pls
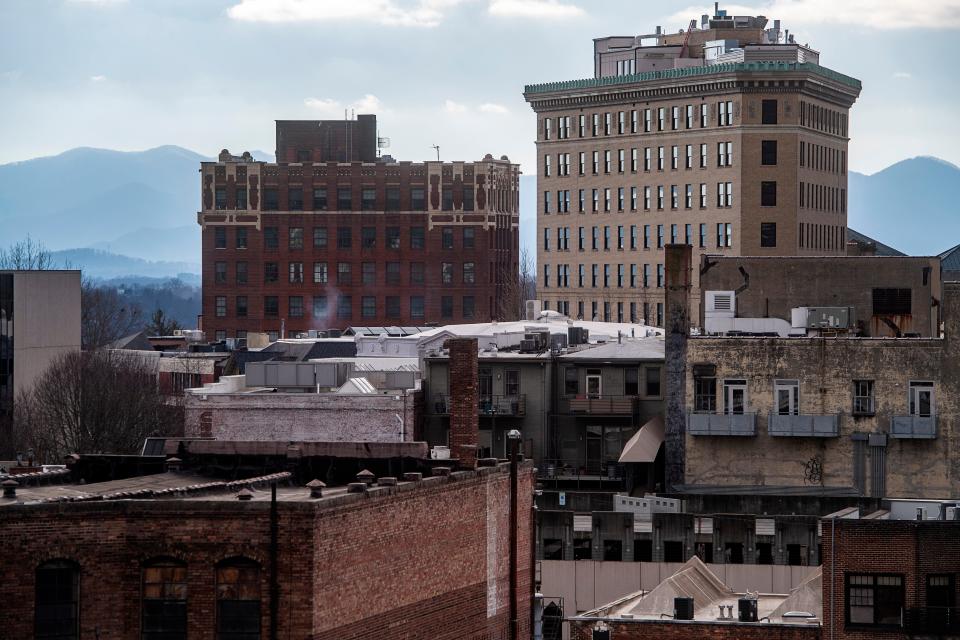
(768, 234)
(57, 601)
(319, 237)
(219, 237)
(320, 273)
(295, 237)
(417, 237)
(295, 306)
(344, 237)
(416, 307)
(345, 307)
(768, 152)
(368, 306)
(295, 199)
(345, 199)
(874, 600)
(768, 111)
(320, 199)
(418, 199)
(768, 194)
(704, 115)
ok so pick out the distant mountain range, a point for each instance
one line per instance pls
(135, 212)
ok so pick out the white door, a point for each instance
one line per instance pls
(921, 399)
(787, 397)
(735, 397)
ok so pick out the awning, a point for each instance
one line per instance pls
(645, 443)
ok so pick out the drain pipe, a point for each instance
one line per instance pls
(274, 585)
(833, 572)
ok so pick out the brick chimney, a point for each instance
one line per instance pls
(464, 417)
(677, 327)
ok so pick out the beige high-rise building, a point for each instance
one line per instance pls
(729, 136)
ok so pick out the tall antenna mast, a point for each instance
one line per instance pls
(437, 147)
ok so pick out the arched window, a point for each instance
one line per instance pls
(238, 600)
(57, 600)
(164, 604)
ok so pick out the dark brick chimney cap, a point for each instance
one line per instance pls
(9, 482)
(244, 494)
(366, 473)
(316, 484)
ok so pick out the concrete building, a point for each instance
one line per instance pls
(331, 236)
(816, 416)
(865, 296)
(729, 137)
(176, 553)
(39, 321)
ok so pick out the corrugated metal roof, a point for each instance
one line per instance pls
(950, 259)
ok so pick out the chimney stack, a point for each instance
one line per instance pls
(464, 398)
(10, 488)
(677, 324)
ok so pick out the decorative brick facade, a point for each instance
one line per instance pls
(424, 559)
(319, 244)
(912, 550)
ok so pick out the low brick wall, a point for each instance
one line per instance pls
(675, 630)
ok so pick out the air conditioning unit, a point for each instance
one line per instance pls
(528, 346)
(533, 309)
(178, 333)
(821, 317)
(720, 304)
(440, 453)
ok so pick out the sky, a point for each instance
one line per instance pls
(213, 74)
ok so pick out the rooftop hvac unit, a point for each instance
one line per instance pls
(558, 341)
(682, 608)
(533, 308)
(313, 333)
(821, 317)
(528, 346)
(440, 453)
(577, 335)
(747, 608)
(720, 304)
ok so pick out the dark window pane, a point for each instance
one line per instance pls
(768, 152)
(768, 194)
(769, 112)
(768, 234)
(295, 200)
(271, 200)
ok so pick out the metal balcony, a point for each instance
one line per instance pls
(721, 424)
(919, 427)
(490, 406)
(804, 426)
(603, 405)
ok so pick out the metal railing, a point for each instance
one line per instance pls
(566, 469)
(721, 424)
(913, 427)
(507, 406)
(932, 620)
(804, 425)
(599, 405)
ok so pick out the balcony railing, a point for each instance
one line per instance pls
(804, 425)
(932, 620)
(913, 427)
(567, 469)
(507, 406)
(721, 424)
(602, 405)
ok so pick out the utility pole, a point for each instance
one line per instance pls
(514, 437)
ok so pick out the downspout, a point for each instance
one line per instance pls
(833, 572)
(514, 622)
(274, 584)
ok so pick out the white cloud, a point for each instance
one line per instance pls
(12, 75)
(328, 108)
(548, 9)
(422, 13)
(98, 2)
(98, 78)
(454, 107)
(491, 107)
(876, 14)
(902, 75)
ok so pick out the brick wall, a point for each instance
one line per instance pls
(582, 630)
(299, 417)
(464, 410)
(424, 560)
(907, 548)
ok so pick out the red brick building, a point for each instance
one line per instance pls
(331, 236)
(176, 555)
(888, 579)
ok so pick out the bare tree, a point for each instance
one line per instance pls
(94, 402)
(105, 316)
(161, 324)
(520, 287)
(27, 255)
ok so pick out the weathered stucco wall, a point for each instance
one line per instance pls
(826, 369)
(299, 417)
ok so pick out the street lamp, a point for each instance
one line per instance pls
(514, 437)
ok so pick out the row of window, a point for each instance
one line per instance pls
(690, 196)
(821, 158)
(652, 385)
(627, 238)
(344, 273)
(321, 306)
(319, 200)
(786, 397)
(635, 279)
(660, 119)
(823, 198)
(672, 550)
(822, 236)
(163, 602)
(610, 312)
(823, 119)
(393, 237)
(724, 158)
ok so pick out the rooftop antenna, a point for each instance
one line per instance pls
(437, 147)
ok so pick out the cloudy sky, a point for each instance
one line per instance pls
(208, 74)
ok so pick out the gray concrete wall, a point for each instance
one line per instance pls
(777, 285)
(46, 321)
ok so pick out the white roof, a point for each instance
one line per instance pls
(356, 386)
